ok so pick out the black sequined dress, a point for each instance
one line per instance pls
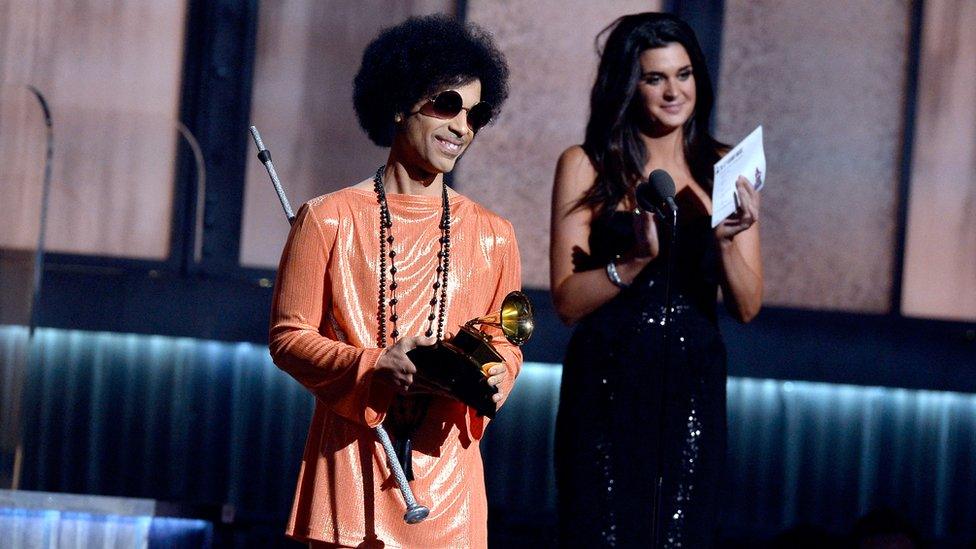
(609, 439)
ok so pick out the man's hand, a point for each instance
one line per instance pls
(395, 368)
(496, 373)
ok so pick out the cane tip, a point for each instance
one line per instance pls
(416, 514)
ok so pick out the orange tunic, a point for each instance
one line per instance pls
(324, 334)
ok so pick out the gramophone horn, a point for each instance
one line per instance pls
(514, 318)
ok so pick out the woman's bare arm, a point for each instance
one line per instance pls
(577, 294)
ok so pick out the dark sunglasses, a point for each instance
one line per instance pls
(447, 104)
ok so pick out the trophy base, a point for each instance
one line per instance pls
(457, 365)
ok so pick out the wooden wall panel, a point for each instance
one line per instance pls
(552, 56)
(827, 81)
(22, 151)
(308, 52)
(940, 249)
(111, 72)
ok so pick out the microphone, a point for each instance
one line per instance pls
(656, 191)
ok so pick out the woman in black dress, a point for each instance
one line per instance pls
(636, 405)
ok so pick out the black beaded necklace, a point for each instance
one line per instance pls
(440, 279)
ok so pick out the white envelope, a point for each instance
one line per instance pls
(746, 159)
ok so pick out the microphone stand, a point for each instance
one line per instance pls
(415, 511)
(35, 299)
(658, 508)
(45, 198)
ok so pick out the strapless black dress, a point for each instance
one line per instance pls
(618, 368)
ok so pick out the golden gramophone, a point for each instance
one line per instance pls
(458, 365)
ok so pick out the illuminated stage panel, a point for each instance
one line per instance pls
(799, 452)
(828, 85)
(38, 520)
(826, 454)
(138, 410)
(940, 250)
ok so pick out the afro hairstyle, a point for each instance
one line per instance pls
(411, 61)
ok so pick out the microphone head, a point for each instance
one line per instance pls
(662, 184)
(657, 191)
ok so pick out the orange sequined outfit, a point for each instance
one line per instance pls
(324, 334)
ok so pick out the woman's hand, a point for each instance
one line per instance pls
(738, 246)
(645, 231)
(496, 373)
(745, 216)
(395, 367)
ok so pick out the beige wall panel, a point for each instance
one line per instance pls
(826, 79)
(22, 152)
(940, 250)
(551, 53)
(308, 52)
(111, 72)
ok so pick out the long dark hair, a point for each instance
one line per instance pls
(612, 140)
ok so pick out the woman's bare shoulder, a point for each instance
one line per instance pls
(575, 170)
(575, 159)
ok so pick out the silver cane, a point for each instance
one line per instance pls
(415, 511)
(265, 157)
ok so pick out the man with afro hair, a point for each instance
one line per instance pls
(382, 267)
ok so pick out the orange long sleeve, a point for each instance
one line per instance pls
(334, 371)
(323, 333)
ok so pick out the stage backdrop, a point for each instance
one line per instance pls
(829, 86)
(307, 55)
(111, 73)
(552, 52)
(940, 255)
(832, 89)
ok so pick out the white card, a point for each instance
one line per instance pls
(746, 159)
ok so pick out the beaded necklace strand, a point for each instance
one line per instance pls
(438, 303)
(408, 412)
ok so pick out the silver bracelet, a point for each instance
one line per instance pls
(614, 276)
